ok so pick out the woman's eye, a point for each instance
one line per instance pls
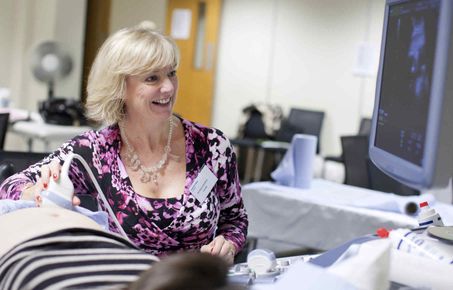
(172, 74)
(152, 79)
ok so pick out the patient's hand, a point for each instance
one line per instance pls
(221, 247)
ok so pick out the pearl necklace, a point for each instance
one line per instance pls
(147, 173)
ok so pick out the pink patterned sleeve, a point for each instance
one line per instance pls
(233, 221)
(12, 187)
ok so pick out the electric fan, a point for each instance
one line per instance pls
(49, 62)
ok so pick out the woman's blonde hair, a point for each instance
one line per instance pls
(130, 51)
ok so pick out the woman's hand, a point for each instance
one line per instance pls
(221, 247)
(48, 171)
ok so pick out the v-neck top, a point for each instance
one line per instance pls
(193, 220)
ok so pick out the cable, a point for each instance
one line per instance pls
(65, 172)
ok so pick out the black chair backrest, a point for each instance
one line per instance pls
(355, 156)
(301, 121)
(6, 170)
(382, 182)
(4, 119)
(365, 126)
(21, 160)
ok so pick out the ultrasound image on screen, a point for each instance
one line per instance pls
(406, 78)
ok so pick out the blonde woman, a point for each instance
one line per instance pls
(149, 162)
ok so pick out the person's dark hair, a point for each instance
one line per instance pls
(185, 271)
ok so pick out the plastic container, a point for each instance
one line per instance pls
(428, 216)
(418, 244)
(262, 261)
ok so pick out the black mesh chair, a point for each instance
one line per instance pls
(301, 121)
(382, 182)
(355, 155)
(365, 126)
(21, 160)
(4, 119)
(360, 170)
(364, 129)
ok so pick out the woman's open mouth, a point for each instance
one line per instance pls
(162, 102)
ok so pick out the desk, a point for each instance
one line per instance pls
(284, 218)
(46, 132)
(16, 115)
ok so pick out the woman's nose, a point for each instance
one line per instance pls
(167, 85)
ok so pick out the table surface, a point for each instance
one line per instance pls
(43, 131)
(323, 216)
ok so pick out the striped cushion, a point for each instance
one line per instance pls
(72, 259)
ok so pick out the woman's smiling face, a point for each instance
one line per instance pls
(153, 93)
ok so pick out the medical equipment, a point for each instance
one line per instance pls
(444, 234)
(261, 261)
(262, 267)
(418, 243)
(428, 216)
(61, 192)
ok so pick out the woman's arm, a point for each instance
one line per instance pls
(233, 222)
(24, 184)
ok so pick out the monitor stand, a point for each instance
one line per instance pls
(444, 195)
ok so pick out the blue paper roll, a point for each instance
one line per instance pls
(296, 167)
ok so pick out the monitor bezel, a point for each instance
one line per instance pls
(404, 171)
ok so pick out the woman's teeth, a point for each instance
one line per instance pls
(162, 101)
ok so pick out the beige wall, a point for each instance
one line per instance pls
(30, 22)
(297, 53)
(25, 24)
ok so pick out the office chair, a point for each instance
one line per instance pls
(365, 126)
(382, 182)
(247, 142)
(301, 121)
(364, 129)
(6, 170)
(4, 119)
(21, 160)
(355, 154)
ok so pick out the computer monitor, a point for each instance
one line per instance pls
(412, 130)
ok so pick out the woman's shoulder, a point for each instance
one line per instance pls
(103, 136)
(197, 130)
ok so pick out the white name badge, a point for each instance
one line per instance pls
(203, 184)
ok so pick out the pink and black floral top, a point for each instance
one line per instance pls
(189, 223)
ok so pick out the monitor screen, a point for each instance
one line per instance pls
(406, 78)
(410, 138)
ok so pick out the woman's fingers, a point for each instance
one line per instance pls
(220, 247)
(206, 249)
(75, 201)
(48, 171)
(227, 249)
(45, 174)
(55, 168)
(38, 199)
(217, 244)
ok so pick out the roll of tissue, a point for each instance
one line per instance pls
(304, 151)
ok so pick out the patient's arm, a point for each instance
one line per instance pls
(22, 225)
